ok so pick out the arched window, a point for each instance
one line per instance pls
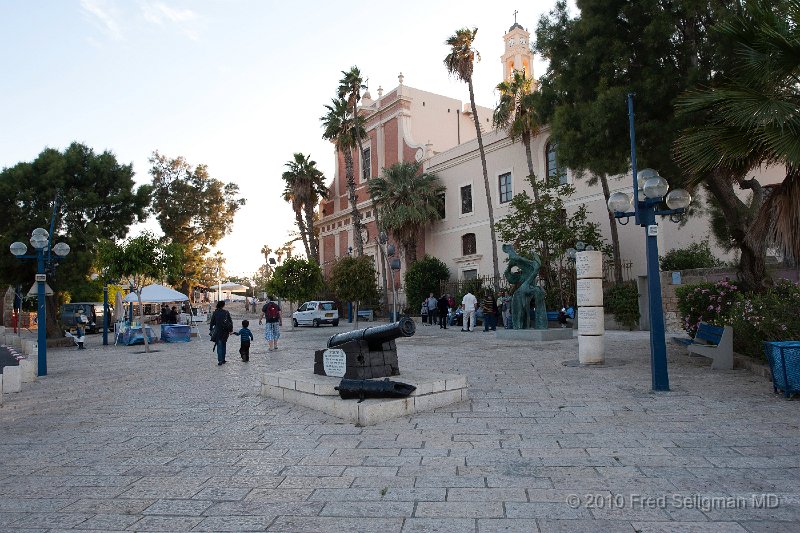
(468, 244)
(553, 169)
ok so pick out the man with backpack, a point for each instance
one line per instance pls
(221, 328)
(271, 313)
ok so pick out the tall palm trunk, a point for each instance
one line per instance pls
(313, 241)
(752, 266)
(495, 268)
(614, 233)
(298, 217)
(526, 140)
(351, 190)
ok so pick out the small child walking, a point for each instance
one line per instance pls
(246, 336)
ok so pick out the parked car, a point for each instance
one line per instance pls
(316, 313)
(92, 310)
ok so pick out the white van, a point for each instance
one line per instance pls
(315, 313)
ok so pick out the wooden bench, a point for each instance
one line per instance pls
(714, 342)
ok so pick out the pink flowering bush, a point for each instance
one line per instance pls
(770, 316)
(706, 302)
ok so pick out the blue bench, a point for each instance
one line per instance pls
(714, 342)
(368, 315)
(552, 316)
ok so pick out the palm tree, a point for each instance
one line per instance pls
(752, 119)
(460, 62)
(305, 184)
(516, 113)
(345, 130)
(408, 200)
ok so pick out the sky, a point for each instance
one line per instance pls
(238, 85)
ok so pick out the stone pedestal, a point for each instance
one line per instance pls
(318, 392)
(591, 316)
(12, 379)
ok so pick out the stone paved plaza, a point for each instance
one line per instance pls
(116, 439)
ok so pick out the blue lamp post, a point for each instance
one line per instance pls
(40, 240)
(644, 212)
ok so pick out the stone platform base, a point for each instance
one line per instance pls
(536, 335)
(305, 388)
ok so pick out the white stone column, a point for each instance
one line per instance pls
(591, 318)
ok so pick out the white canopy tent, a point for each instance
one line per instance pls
(157, 294)
(228, 288)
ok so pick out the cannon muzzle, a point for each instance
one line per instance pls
(375, 336)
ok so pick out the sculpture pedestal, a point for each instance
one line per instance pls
(535, 335)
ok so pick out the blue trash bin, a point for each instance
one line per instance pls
(784, 361)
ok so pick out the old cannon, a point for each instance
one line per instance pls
(363, 353)
(362, 389)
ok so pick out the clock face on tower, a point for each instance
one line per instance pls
(511, 42)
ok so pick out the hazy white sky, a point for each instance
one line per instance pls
(239, 85)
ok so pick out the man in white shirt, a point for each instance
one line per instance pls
(469, 304)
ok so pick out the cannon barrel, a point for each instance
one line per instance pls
(376, 335)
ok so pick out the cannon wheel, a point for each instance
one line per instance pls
(316, 322)
(294, 322)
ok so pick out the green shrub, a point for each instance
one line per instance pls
(622, 300)
(770, 316)
(706, 302)
(422, 278)
(696, 255)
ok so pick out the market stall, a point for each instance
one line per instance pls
(157, 294)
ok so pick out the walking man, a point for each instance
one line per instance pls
(469, 303)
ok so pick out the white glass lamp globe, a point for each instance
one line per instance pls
(619, 202)
(18, 248)
(61, 249)
(678, 199)
(571, 253)
(655, 187)
(590, 248)
(39, 238)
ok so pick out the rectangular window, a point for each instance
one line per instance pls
(466, 199)
(471, 274)
(366, 165)
(442, 212)
(506, 192)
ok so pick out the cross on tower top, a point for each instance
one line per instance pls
(515, 16)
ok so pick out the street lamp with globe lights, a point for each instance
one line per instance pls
(45, 262)
(655, 191)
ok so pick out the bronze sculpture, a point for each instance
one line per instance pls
(525, 278)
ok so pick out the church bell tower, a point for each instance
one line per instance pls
(518, 54)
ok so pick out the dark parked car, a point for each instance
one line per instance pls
(93, 311)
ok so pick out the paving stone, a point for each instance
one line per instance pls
(585, 526)
(439, 525)
(380, 509)
(315, 524)
(50, 520)
(108, 522)
(459, 510)
(166, 523)
(234, 523)
(178, 507)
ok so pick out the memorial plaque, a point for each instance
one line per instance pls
(590, 292)
(334, 361)
(589, 264)
(591, 321)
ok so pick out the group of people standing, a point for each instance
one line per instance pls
(221, 327)
(495, 309)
